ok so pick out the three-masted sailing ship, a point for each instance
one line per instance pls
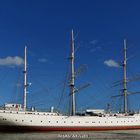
(14, 117)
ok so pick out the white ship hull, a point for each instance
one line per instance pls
(46, 121)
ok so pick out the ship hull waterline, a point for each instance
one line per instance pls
(45, 129)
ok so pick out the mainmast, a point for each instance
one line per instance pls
(25, 77)
(125, 79)
(72, 85)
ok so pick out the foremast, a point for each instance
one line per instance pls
(72, 83)
(125, 78)
(25, 76)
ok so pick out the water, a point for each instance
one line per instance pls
(90, 135)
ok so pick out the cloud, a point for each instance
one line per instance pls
(94, 42)
(42, 60)
(111, 63)
(95, 49)
(11, 61)
(94, 46)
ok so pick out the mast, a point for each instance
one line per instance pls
(72, 75)
(25, 77)
(125, 79)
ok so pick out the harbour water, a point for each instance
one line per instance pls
(91, 135)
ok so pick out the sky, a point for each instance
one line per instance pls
(44, 26)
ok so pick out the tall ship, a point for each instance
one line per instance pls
(14, 117)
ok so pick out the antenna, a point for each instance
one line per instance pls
(25, 76)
